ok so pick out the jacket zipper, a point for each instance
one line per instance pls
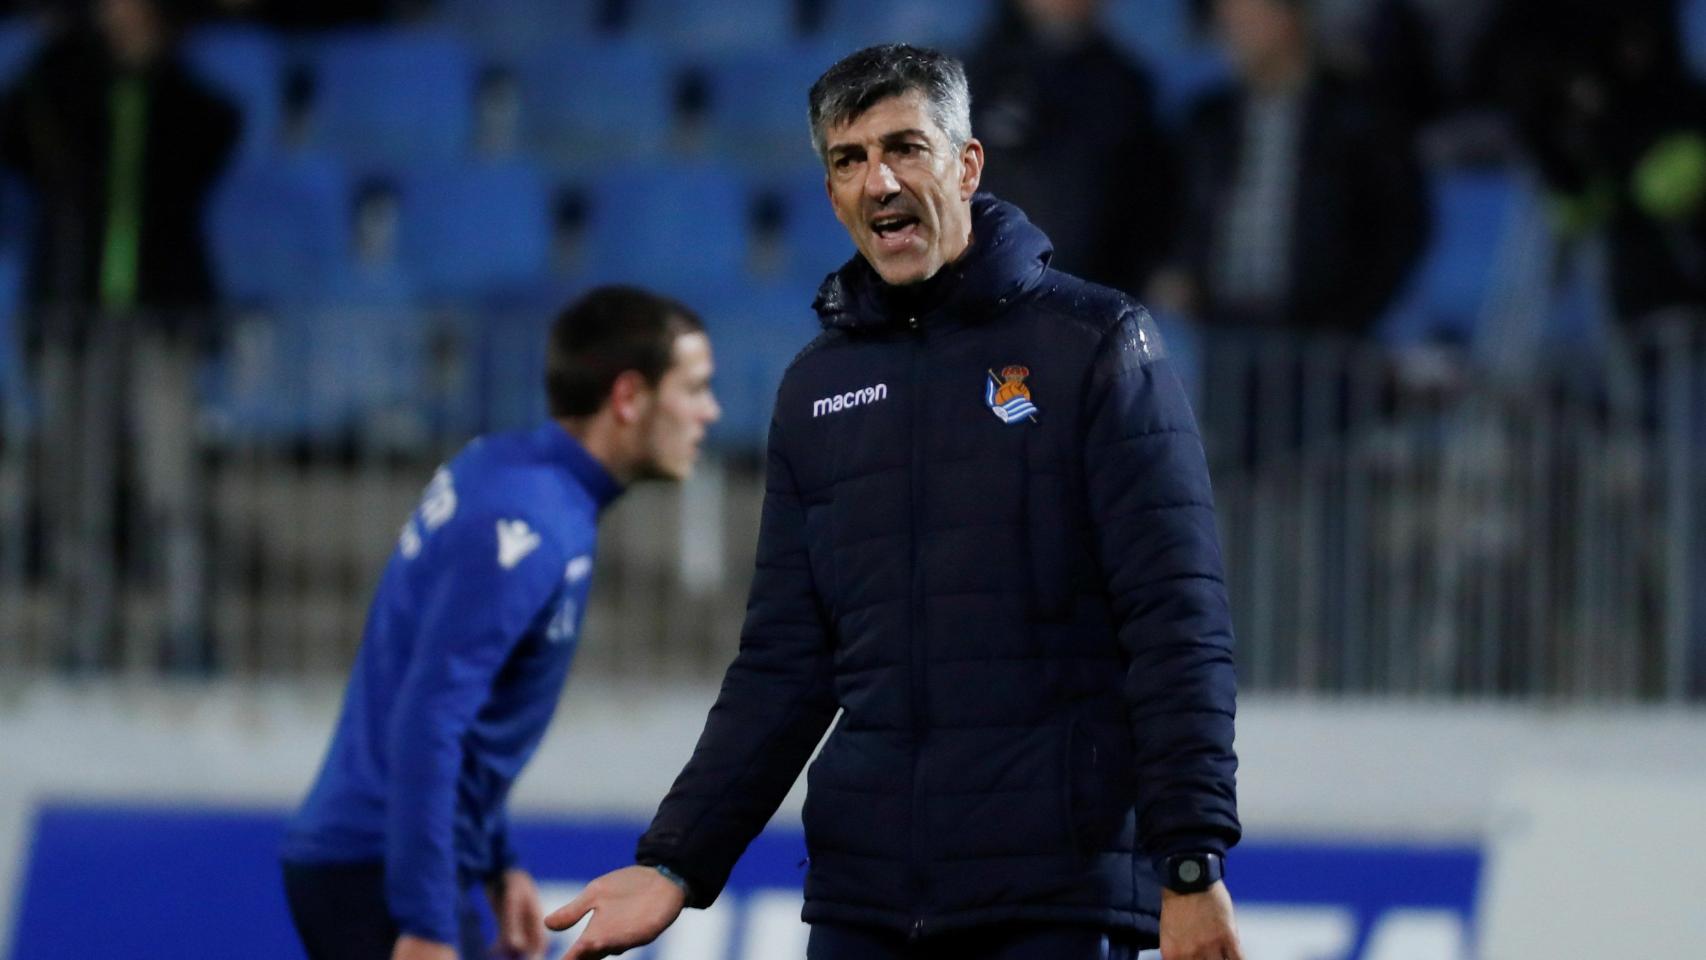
(920, 704)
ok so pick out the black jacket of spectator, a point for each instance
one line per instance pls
(1361, 207)
(1081, 150)
(1592, 89)
(56, 133)
(1024, 622)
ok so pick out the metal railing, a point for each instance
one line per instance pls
(1392, 523)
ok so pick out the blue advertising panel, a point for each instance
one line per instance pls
(144, 882)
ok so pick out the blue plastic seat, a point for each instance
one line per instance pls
(674, 228)
(19, 38)
(466, 230)
(817, 243)
(755, 333)
(1155, 30)
(693, 26)
(517, 28)
(245, 65)
(390, 97)
(279, 229)
(604, 101)
(1447, 296)
(758, 105)
(1693, 25)
(953, 25)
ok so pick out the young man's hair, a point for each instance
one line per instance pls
(860, 80)
(604, 334)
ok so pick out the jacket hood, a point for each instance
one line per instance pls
(1007, 257)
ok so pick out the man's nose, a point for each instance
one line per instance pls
(880, 183)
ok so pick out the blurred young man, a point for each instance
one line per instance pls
(988, 540)
(470, 639)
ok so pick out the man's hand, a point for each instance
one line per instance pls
(630, 907)
(521, 924)
(1198, 926)
(415, 948)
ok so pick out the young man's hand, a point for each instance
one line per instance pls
(415, 948)
(1199, 926)
(521, 921)
(630, 907)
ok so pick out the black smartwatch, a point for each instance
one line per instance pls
(1191, 872)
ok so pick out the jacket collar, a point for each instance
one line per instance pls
(1007, 257)
(559, 447)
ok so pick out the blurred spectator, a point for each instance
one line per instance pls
(1305, 205)
(1398, 56)
(1073, 121)
(120, 146)
(1601, 97)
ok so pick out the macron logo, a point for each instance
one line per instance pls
(850, 399)
(515, 541)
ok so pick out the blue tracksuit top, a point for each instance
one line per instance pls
(467, 647)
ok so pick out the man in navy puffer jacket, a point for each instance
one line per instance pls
(988, 541)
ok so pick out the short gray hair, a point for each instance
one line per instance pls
(860, 80)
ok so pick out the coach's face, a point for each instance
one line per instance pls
(901, 189)
(678, 411)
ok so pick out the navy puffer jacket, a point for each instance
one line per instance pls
(1020, 615)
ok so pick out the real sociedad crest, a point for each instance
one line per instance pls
(1008, 397)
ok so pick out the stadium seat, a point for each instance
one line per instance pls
(693, 26)
(756, 333)
(588, 102)
(674, 228)
(953, 25)
(758, 105)
(19, 38)
(510, 29)
(245, 65)
(1183, 78)
(320, 372)
(1155, 30)
(1448, 293)
(815, 241)
(465, 230)
(394, 96)
(1693, 16)
(278, 229)
(11, 346)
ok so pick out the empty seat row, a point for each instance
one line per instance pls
(291, 229)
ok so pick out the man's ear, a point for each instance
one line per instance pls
(630, 396)
(971, 168)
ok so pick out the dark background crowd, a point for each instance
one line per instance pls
(1280, 165)
(343, 226)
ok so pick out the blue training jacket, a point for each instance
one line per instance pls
(988, 541)
(466, 650)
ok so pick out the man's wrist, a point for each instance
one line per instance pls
(675, 878)
(1192, 872)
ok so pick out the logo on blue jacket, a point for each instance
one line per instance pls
(1008, 397)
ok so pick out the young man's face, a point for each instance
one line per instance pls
(681, 408)
(901, 189)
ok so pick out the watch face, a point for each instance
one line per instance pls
(1190, 871)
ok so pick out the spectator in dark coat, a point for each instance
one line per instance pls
(1073, 119)
(121, 146)
(1602, 100)
(1305, 205)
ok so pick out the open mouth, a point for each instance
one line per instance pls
(893, 230)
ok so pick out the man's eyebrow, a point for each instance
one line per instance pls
(887, 139)
(910, 133)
